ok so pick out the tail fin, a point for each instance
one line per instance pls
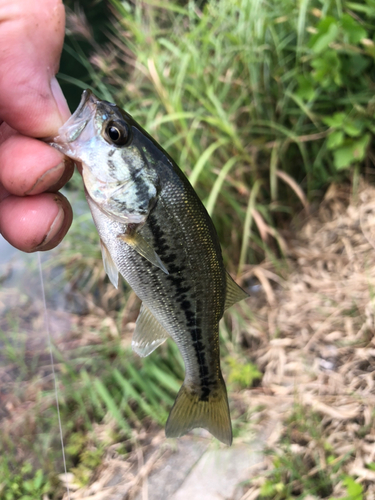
(189, 411)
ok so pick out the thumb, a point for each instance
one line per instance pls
(31, 40)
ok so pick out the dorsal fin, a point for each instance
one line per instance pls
(233, 293)
(148, 333)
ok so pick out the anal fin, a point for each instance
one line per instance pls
(140, 245)
(148, 333)
(233, 293)
(109, 266)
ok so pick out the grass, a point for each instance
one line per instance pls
(23, 484)
(246, 98)
(99, 381)
(304, 462)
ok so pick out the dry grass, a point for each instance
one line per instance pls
(313, 336)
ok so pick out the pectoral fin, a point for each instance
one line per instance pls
(148, 334)
(109, 265)
(234, 293)
(140, 245)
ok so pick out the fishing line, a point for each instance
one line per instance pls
(46, 322)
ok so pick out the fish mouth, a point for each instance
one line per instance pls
(73, 128)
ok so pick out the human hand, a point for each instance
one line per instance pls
(33, 216)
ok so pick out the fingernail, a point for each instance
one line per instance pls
(54, 229)
(66, 176)
(60, 100)
(49, 178)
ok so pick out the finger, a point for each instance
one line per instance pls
(35, 223)
(31, 39)
(29, 166)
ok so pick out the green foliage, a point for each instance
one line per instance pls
(102, 383)
(297, 474)
(237, 91)
(116, 388)
(291, 477)
(25, 484)
(342, 62)
(88, 461)
(354, 490)
(243, 374)
(347, 141)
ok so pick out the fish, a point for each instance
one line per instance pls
(155, 231)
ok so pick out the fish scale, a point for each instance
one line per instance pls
(157, 234)
(171, 288)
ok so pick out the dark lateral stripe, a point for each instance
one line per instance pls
(160, 243)
(181, 287)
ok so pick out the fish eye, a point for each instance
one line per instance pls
(114, 133)
(117, 133)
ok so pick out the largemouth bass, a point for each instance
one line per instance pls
(157, 234)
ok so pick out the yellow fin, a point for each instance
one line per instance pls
(148, 333)
(189, 412)
(109, 266)
(233, 293)
(140, 245)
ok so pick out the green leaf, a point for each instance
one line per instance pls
(352, 151)
(335, 139)
(305, 89)
(243, 373)
(38, 479)
(26, 468)
(366, 9)
(327, 33)
(335, 121)
(355, 490)
(352, 29)
(327, 69)
(28, 486)
(357, 65)
(268, 488)
(353, 128)
(322, 28)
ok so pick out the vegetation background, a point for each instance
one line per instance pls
(263, 104)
